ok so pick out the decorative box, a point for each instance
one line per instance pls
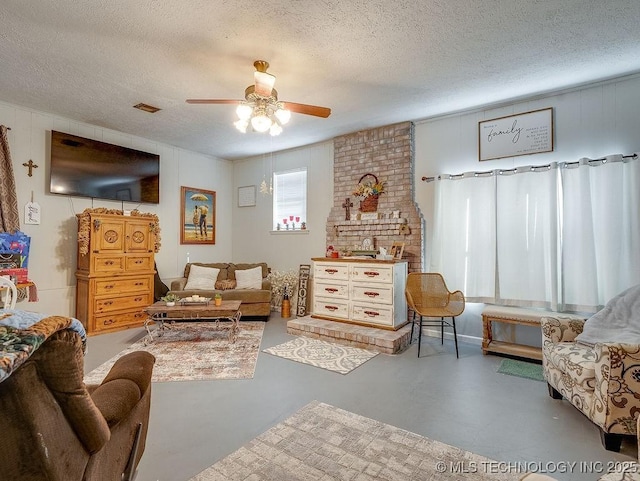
(21, 274)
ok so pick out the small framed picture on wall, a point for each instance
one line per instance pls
(397, 248)
(247, 196)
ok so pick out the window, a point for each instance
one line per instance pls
(289, 199)
(562, 236)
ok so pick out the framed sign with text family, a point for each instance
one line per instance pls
(521, 134)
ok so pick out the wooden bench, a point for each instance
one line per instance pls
(514, 315)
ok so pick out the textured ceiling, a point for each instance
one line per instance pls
(373, 62)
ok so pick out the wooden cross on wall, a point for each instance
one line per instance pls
(31, 166)
(347, 206)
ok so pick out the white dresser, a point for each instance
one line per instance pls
(361, 291)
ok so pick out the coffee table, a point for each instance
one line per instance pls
(161, 314)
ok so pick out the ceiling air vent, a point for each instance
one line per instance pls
(146, 108)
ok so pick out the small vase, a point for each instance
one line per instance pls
(285, 310)
(170, 303)
(218, 301)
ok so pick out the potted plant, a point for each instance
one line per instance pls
(170, 299)
(217, 299)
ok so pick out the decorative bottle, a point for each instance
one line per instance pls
(285, 311)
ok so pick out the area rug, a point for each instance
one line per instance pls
(196, 351)
(524, 369)
(326, 355)
(322, 442)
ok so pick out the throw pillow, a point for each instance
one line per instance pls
(202, 277)
(225, 284)
(249, 278)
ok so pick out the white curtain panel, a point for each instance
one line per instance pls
(601, 230)
(464, 243)
(527, 237)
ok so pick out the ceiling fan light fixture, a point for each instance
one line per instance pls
(244, 111)
(275, 129)
(241, 125)
(260, 122)
(261, 107)
(283, 115)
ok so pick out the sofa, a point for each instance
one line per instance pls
(250, 286)
(53, 426)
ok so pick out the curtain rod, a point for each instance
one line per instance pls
(533, 167)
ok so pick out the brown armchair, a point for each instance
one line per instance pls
(55, 428)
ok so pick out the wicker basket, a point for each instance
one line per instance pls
(369, 204)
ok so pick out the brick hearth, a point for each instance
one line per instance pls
(381, 340)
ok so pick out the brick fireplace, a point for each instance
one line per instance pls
(386, 152)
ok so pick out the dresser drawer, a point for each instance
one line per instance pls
(372, 313)
(118, 321)
(326, 270)
(142, 262)
(122, 286)
(133, 301)
(333, 290)
(108, 264)
(378, 293)
(371, 273)
(331, 307)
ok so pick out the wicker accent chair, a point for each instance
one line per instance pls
(428, 296)
(10, 293)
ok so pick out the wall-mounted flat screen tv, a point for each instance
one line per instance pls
(89, 168)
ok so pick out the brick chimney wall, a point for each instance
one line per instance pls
(386, 152)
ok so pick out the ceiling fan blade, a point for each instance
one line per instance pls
(323, 112)
(212, 101)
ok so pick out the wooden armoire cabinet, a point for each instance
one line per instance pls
(115, 269)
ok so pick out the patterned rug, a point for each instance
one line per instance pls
(322, 442)
(196, 351)
(529, 370)
(326, 355)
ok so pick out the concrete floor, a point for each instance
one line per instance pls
(462, 402)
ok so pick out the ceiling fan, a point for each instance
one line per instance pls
(261, 107)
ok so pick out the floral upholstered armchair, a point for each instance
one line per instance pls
(601, 380)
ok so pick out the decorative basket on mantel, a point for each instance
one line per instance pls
(370, 202)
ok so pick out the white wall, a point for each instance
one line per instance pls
(253, 240)
(52, 260)
(590, 122)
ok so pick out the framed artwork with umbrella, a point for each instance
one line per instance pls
(197, 216)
